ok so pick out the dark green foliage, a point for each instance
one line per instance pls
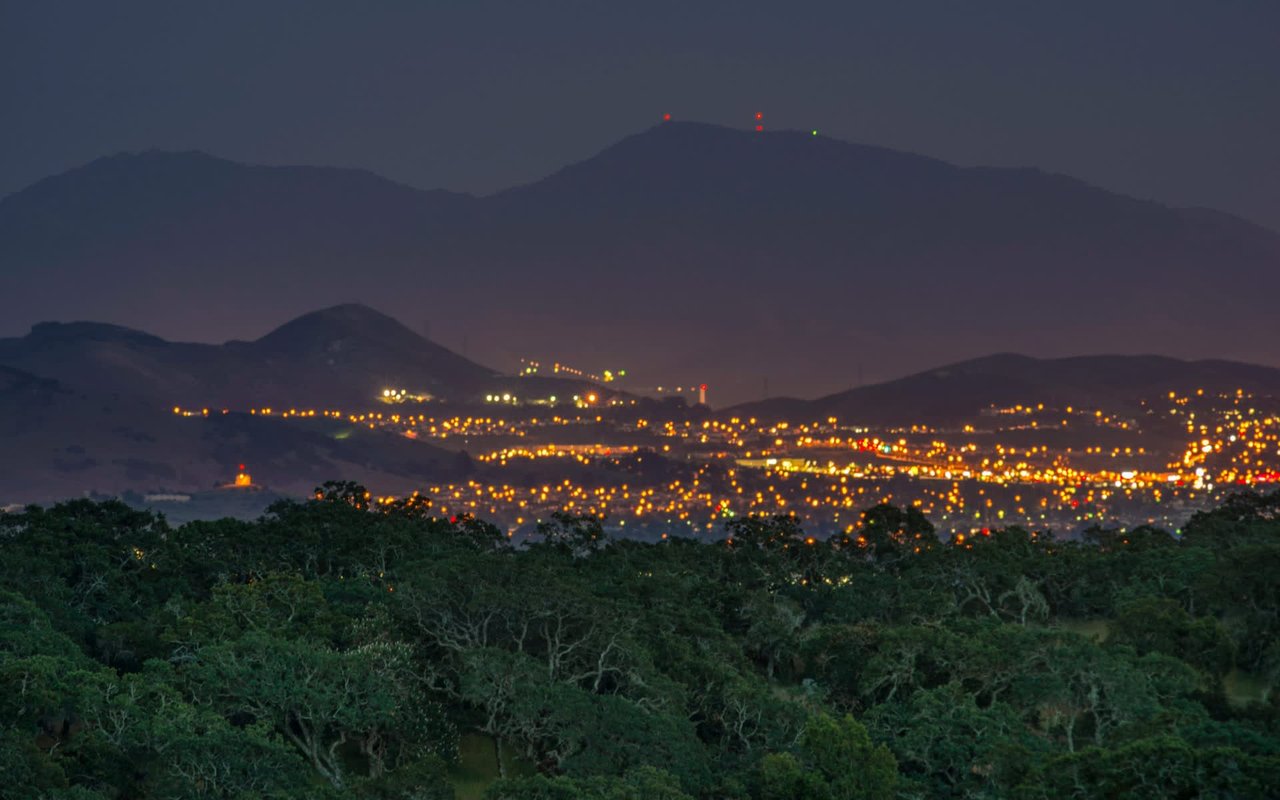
(338, 647)
(1159, 768)
(1161, 625)
(890, 533)
(834, 759)
(643, 783)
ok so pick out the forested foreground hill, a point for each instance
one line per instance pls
(336, 650)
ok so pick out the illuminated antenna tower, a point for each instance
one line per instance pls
(759, 122)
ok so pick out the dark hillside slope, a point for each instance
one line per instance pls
(959, 392)
(336, 358)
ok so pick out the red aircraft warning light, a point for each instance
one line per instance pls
(666, 117)
(759, 115)
(759, 128)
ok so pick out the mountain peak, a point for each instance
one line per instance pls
(344, 314)
(156, 155)
(340, 356)
(722, 143)
(135, 165)
(352, 332)
(712, 170)
(343, 321)
(48, 332)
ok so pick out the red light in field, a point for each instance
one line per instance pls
(759, 115)
(759, 128)
(666, 117)
(703, 387)
(242, 467)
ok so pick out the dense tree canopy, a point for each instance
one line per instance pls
(342, 648)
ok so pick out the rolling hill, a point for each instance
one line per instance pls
(960, 392)
(337, 358)
(685, 253)
(86, 407)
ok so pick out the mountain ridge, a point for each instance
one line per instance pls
(952, 393)
(197, 155)
(684, 253)
(338, 357)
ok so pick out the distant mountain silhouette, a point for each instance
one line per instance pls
(686, 253)
(337, 358)
(960, 392)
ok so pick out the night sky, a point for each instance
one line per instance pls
(1172, 100)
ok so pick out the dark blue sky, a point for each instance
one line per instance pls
(1176, 100)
